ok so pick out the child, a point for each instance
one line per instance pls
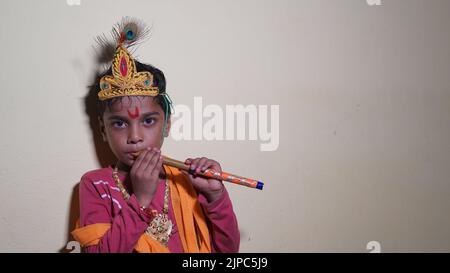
(140, 204)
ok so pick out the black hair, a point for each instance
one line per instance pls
(158, 80)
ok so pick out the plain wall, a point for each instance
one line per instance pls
(364, 115)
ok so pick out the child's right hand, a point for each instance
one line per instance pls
(144, 175)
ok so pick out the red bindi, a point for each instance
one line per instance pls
(135, 114)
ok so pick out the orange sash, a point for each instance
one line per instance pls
(189, 217)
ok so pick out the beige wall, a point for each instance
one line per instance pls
(364, 97)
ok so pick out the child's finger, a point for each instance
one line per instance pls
(152, 159)
(139, 159)
(194, 163)
(148, 155)
(156, 170)
(188, 161)
(142, 169)
(201, 164)
(212, 164)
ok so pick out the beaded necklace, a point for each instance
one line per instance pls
(160, 228)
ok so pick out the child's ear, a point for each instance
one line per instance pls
(102, 129)
(169, 122)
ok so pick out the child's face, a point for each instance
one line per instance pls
(133, 124)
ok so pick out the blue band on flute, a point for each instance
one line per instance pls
(260, 185)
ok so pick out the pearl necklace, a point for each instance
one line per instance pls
(160, 228)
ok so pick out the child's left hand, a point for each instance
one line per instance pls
(212, 189)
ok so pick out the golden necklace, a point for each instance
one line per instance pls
(160, 228)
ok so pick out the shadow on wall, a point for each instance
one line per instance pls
(104, 155)
(74, 214)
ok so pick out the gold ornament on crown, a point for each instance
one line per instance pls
(125, 80)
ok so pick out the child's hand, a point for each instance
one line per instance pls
(144, 175)
(212, 189)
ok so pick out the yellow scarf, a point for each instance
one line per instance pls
(189, 217)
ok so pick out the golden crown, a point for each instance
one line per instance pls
(125, 80)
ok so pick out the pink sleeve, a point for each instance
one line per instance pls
(96, 206)
(225, 235)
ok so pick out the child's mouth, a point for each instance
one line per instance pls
(136, 154)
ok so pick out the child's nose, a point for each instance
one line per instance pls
(134, 135)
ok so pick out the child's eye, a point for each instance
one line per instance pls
(149, 121)
(119, 124)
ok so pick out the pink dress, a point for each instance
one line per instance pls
(101, 202)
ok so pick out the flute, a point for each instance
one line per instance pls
(210, 173)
